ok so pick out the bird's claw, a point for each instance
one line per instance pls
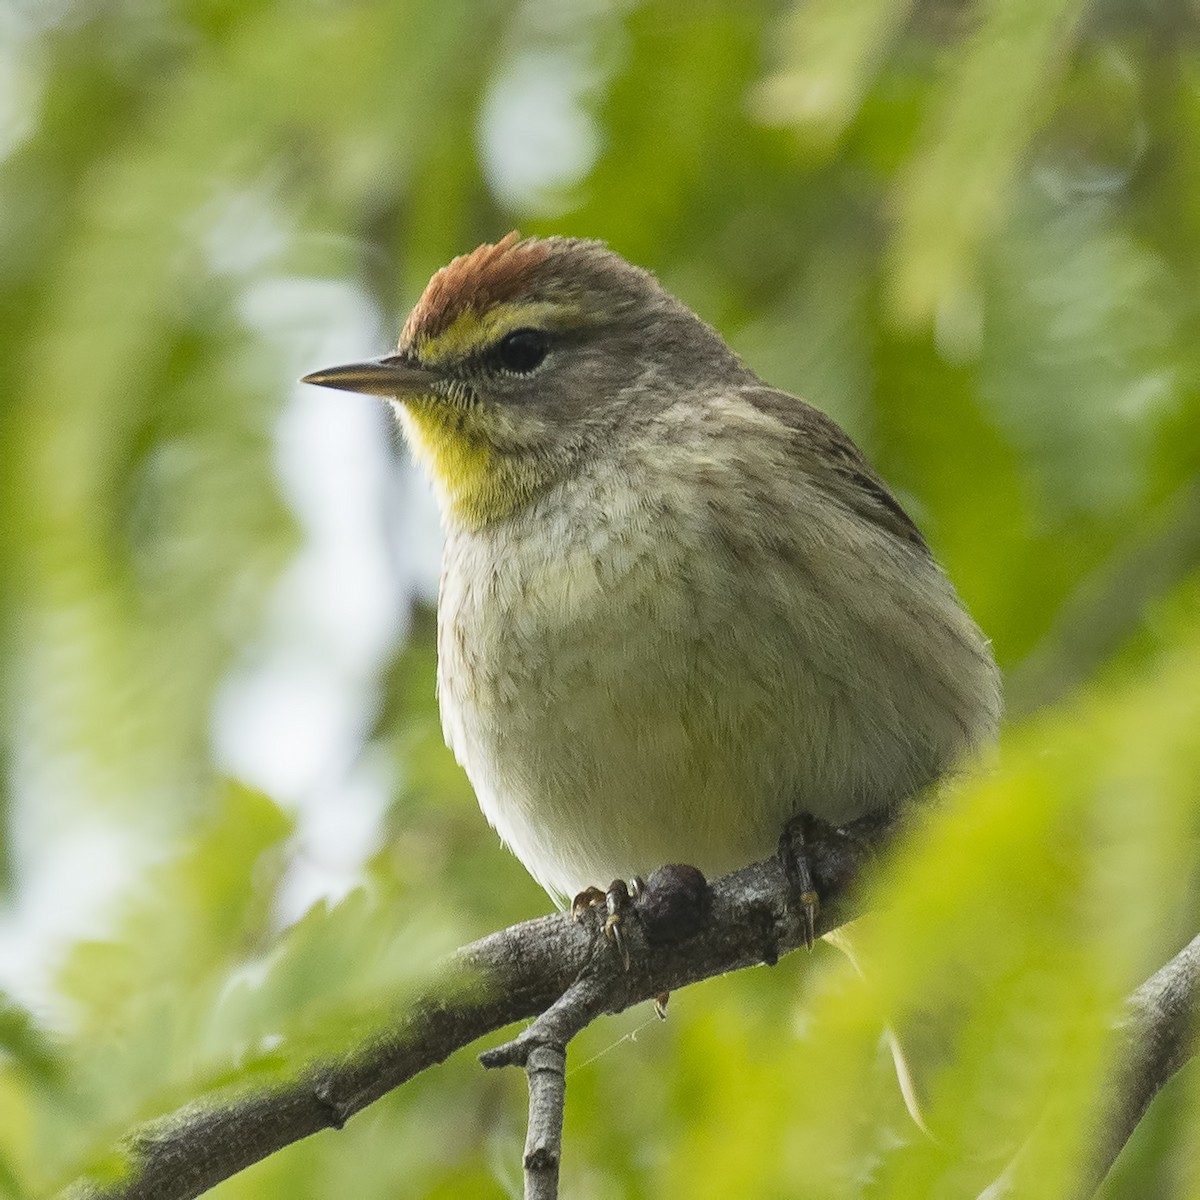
(799, 873)
(810, 905)
(612, 931)
(619, 900)
(589, 898)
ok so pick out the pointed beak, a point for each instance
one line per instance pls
(392, 376)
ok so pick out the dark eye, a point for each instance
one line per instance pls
(523, 350)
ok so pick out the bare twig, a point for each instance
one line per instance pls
(1158, 1035)
(546, 1067)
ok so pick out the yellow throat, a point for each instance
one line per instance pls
(476, 482)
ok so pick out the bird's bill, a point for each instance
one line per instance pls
(392, 376)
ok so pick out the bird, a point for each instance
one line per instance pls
(678, 608)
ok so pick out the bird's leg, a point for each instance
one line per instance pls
(797, 834)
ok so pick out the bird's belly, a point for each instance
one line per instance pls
(607, 747)
(612, 719)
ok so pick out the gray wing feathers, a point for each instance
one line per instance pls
(834, 461)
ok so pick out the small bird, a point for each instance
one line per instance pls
(677, 606)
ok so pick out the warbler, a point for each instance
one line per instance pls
(677, 606)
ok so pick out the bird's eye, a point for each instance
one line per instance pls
(523, 350)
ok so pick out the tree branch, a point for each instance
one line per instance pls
(552, 966)
(563, 973)
(1158, 1035)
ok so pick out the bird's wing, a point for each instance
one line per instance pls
(833, 461)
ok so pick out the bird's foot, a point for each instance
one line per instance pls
(618, 902)
(672, 904)
(798, 834)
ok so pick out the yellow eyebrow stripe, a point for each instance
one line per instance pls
(471, 331)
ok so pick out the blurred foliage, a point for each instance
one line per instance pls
(970, 231)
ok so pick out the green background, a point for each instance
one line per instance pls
(970, 232)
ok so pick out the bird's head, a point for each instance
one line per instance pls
(525, 358)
